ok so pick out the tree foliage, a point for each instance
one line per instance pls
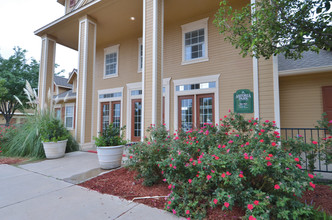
(271, 27)
(14, 72)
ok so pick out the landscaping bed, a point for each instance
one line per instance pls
(122, 183)
(11, 160)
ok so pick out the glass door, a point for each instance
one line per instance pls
(136, 119)
(186, 113)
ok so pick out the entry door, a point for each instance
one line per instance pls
(327, 101)
(136, 119)
(205, 109)
(186, 112)
(116, 114)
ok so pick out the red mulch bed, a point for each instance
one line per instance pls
(11, 160)
(122, 183)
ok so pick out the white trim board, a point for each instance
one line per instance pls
(303, 71)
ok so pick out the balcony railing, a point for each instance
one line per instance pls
(309, 135)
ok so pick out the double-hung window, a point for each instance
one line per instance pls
(195, 42)
(69, 117)
(111, 56)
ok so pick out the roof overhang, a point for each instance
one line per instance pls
(71, 76)
(303, 71)
(62, 2)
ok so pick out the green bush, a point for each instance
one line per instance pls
(110, 137)
(26, 139)
(238, 162)
(149, 153)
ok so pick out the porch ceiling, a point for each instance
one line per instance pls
(113, 19)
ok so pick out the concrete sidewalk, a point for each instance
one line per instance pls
(46, 190)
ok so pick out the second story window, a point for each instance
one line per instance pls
(111, 56)
(195, 42)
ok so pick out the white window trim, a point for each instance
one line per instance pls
(131, 87)
(70, 105)
(107, 91)
(109, 50)
(140, 42)
(203, 23)
(204, 79)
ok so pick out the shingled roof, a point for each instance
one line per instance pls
(62, 82)
(310, 60)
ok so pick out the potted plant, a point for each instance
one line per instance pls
(110, 147)
(54, 137)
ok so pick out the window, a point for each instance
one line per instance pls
(116, 114)
(105, 115)
(204, 106)
(69, 117)
(111, 61)
(140, 55)
(136, 120)
(195, 42)
(58, 113)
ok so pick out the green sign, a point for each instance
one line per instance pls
(243, 101)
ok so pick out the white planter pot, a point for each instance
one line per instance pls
(55, 149)
(110, 157)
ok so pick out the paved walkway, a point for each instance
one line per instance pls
(46, 190)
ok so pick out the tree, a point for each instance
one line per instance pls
(277, 26)
(14, 72)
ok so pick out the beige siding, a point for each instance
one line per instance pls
(235, 71)
(128, 67)
(266, 94)
(301, 103)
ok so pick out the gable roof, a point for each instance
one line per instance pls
(310, 60)
(71, 76)
(62, 82)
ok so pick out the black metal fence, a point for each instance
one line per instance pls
(309, 135)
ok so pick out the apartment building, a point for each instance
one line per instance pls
(143, 62)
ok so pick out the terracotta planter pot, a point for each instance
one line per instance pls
(110, 157)
(55, 150)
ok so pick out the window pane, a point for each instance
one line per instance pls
(111, 63)
(105, 116)
(205, 111)
(116, 115)
(137, 117)
(194, 44)
(186, 114)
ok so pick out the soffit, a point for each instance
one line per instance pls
(113, 19)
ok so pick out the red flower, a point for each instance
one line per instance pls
(312, 185)
(241, 175)
(131, 157)
(190, 180)
(208, 177)
(246, 157)
(228, 173)
(311, 176)
(270, 155)
(252, 218)
(276, 186)
(315, 142)
(261, 140)
(215, 201)
(296, 159)
(299, 166)
(262, 130)
(169, 202)
(269, 163)
(250, 206)
(230, 141)
(226, 204)
(187, 212)
(267, 158)
(273, 144)
(217, 158)
(170, 165)
(256, 202)
(223, 175)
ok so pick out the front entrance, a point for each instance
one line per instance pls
(200, 105)
(136, 119)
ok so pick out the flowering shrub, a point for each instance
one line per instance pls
(238, 162)
(146, 155)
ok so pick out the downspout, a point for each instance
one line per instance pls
(255, 75)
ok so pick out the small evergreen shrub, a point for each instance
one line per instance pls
(110, 137)
(238, 162)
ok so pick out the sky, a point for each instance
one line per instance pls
(18, 21)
